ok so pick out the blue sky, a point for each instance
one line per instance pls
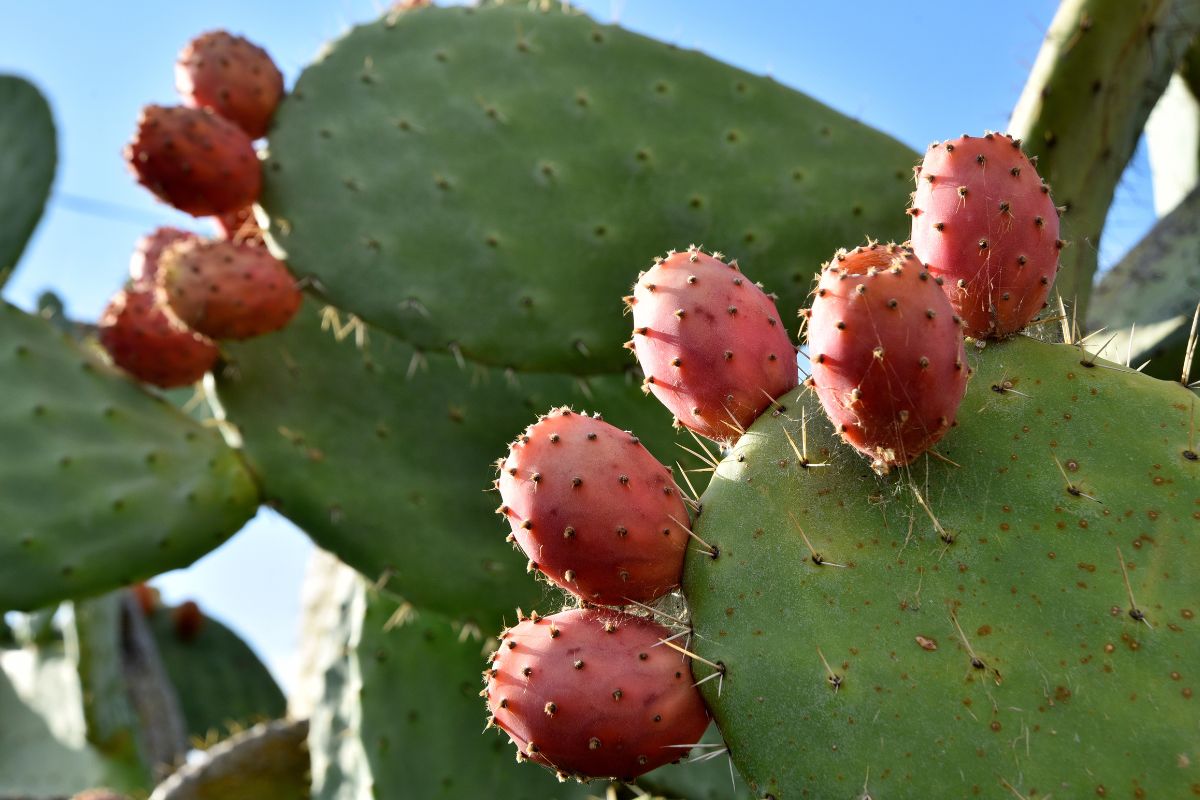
(920, 70)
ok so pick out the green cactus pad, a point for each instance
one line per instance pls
(266, 762)
(27, 161)
(129, 702)
(1157, 287)
(101, 484)
(44, 752)
(1068, 695)
(1100, 71)
(222, 685)
(476, 178)
(96, 639)
(401, 715)
(384, 455)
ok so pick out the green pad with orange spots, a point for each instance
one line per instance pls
(101, 483)
(491, 179)
(968, 627)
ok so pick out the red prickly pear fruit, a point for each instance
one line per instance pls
(983, 221)
(590, 693)
(711, 343)
(888, 362)
(593, 510)
(151, 346)
(240, 226)
(143, 265)
(147, 597)
(187, 619)
(194, 160)
(227, 290)
(230, 76)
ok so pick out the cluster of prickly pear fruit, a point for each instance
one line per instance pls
(593, 692)
(601, 518)
(591, 510)
(886, 326)
(187, 291)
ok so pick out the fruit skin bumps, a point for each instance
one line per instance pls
(142, 339)
(983, 221)
(232, 77)
(710, 342)
(227, 290)
(887, 353)
(591, 692)
(593, 510)
(143, 264)
(197, 161)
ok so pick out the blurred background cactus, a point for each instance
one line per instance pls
(464, 194)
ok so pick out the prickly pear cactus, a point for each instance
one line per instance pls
(269, 760)
(27, 161)
(473, 178)
(44, 748)
(1148, 300)
(1015, 616)
(106, 484)
(400, 713)
(129, 704)
(1173, 137)
(222, 684)
(383, 454)
(1100, 71)
(399, 696)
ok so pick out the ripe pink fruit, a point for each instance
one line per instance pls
(593, 510)
(226, 290)
(589, 693)
(983, 221)
(887, 353)
(151, 346)
(711, 343)
(230, 76)
(143, 265)
(194, 160)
